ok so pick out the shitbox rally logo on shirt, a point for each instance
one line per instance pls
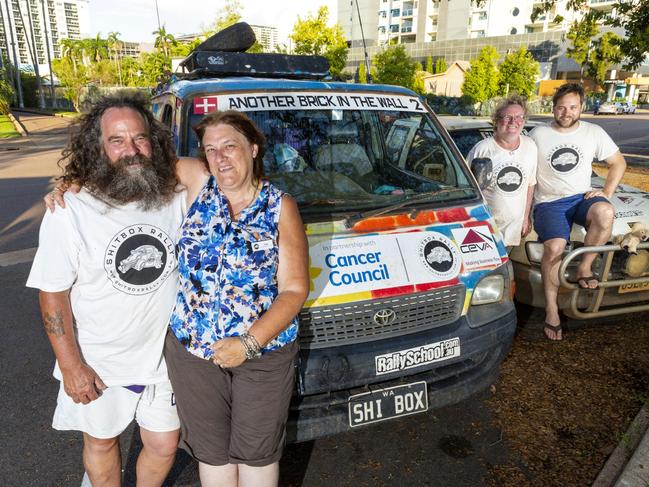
(509, 178)
(139, 258)
(564, 159)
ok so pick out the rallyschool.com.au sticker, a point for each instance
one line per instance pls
(477, 246)
(418, 356)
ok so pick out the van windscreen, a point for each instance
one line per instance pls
(355, 160)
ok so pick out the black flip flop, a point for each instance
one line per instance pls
(554, 329)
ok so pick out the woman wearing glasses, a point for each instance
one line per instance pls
(513, 156)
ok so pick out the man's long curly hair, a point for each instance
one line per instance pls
(83, 158)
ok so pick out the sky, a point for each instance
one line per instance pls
(135, 20)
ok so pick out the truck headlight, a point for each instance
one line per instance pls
(489, 290)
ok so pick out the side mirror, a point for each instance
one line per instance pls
(482, 170)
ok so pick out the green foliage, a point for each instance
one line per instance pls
(6, 96)
(418, 85)
(517, 74)
(429, 64)
(440, 65)
(633, 17)
(362, 73)
(606, 53)
(312, 36)
(580, 35)
(230, 15)
(395, 67)
(257, 47)
(481, 80)
(73, 78)
(164, 41)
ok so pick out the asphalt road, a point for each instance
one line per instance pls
(629, 132)
(450, 446)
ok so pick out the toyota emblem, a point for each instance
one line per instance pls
(384, 316)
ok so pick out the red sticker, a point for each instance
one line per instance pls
(205, 104)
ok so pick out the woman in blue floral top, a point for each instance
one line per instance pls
(242, 257)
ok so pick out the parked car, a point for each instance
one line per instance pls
(627, 108)
(609, 108)
(410, 306)
(624, 285)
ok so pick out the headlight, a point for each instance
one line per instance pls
(534, 252)
(489, 290)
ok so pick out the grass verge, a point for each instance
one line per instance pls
(7, 129)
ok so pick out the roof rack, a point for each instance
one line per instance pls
(223, 55)
(201, 64)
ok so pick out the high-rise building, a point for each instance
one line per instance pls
(20, 19)
(266, 36)
(456, 29)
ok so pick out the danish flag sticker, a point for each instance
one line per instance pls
(205, 104)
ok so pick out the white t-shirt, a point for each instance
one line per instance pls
(566, 159)
(513, 173)
(120, 265)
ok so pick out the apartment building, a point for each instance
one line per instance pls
(459, 29)
(266, 36)
(58, 19)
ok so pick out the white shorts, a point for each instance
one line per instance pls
(108, 416)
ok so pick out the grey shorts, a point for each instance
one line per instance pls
(233, 415)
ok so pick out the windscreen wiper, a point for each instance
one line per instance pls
(351, 220)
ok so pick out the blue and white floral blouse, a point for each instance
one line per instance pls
(228, 269)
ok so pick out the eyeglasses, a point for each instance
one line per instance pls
(511, 118)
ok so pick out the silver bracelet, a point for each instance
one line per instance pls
(250, 345)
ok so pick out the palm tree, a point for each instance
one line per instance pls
(164, 40)
(71, 49)
(115, 46)
(95, 49)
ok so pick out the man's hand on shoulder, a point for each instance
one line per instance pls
(82, 383)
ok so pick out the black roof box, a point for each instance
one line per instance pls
(216, 63)
(238, 37)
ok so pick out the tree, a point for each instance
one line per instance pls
(312, 36)
(362, 73)
(115, 46)
(429, 64)
(580, 35)
(73, 78)
(518, 73)
(481, 80)
(632, 16)
(164, 41)
(230, 15)
(418, 84)
(606, 53)
(394, 67)
(94, 49)
(440, 65)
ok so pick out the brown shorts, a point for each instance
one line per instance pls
(233, 415)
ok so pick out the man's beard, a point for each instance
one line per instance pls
(566, 123)
(119, 184)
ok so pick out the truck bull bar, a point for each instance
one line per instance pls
(593, 309)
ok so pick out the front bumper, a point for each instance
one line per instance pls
(615, 295)
(483, 349)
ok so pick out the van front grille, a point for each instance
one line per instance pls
(377, 319)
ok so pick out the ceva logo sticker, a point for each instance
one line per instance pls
(477, 247)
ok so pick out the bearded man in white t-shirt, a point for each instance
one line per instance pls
(107, 274)
(563, 195)
(513, 156)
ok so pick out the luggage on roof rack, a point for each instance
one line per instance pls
(223, 55)
(217, 63)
